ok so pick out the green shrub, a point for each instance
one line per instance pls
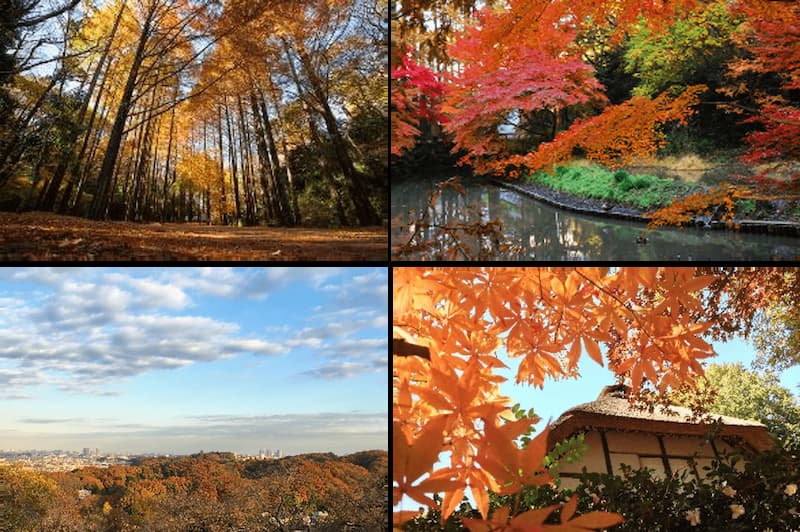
(765, 490)
(745, 207)
(631, 183)
(640, 191)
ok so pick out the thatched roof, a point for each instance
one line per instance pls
(612, 410)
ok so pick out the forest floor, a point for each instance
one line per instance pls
(48, 237)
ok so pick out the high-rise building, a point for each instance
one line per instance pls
(86, 452)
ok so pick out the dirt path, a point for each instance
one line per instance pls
(45, 237)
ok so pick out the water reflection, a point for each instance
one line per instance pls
(541, 232)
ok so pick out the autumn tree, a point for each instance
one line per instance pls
(747, 394)
(286, 80)
(652, 322)
(161, 27)
(770, 35)
(416, 97)
(309, 54)
(511, 75)
(25, 498)
(618, 135)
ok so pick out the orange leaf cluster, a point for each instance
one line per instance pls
(404, 130)
(531, 521)
(684, 210)
(524, 57)
(617, 136)
(649, 319)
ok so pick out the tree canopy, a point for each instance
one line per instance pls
(748, 394)
(181, 110)
(207, 491)
(531, 83)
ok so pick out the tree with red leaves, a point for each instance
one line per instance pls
(416, 96)
(771, 35)
(528, 59)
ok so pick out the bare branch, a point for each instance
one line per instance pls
(165, 108)
(41, 18)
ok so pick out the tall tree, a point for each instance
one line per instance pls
(747, 394)
(68, 155)
(100, 203)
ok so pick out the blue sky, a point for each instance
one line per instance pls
(175, 360)
(558, 396)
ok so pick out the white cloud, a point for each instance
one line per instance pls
(252, 345)
(149, 293)
(339, 370)
(44, 275)
(250, 282)
(259, 282)
(85, 336)
(220, 282)
(88, 328)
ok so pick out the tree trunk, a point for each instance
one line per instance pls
(357, 189)
(167, 182)
(99, 208)
(296, 216)
(266, 167)
(247, 170)
(87, 166)
(223, 199)
(234, 176)
(49, 200)
(136, 198)
(284, 207)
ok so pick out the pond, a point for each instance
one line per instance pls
(538, 231)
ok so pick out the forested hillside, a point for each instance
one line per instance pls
(235, 112)
(208, 491)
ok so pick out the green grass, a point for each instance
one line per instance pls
(746, 207)
(641, 191)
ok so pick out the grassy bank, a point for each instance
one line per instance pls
(641, 191)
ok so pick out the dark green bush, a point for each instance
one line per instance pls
(767, 489)
(633, 182)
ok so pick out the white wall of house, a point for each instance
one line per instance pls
(641, 449)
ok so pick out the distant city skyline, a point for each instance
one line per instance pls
(178, 360)
(97, 451)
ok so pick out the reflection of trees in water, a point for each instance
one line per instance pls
(541, 232)
(452, 226)
(547, 234)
